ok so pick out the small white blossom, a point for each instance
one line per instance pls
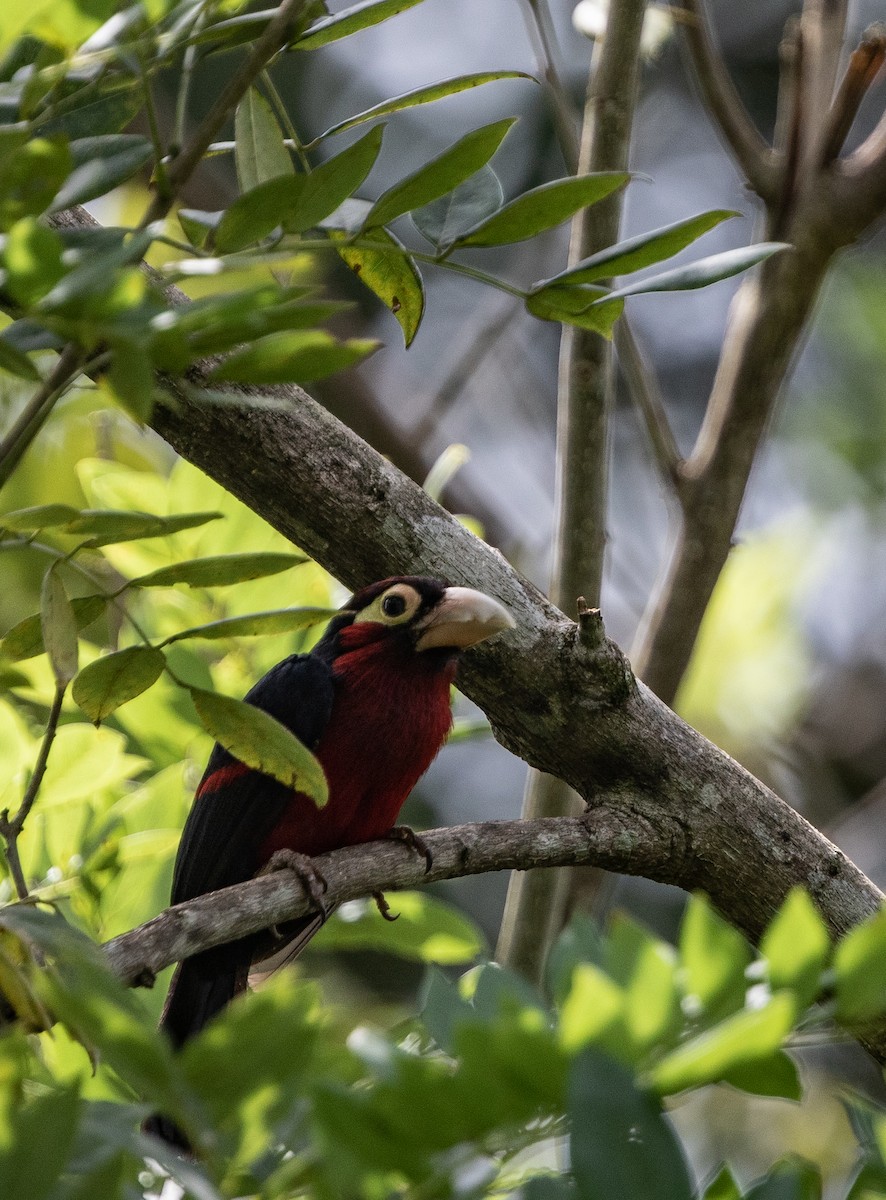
(590, 16)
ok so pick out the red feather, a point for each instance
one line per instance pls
(390, 717)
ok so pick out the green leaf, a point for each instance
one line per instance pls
(197, 225)
(714, 957)
(350, 20)
(25, 640)
(33, 260)
(426, 930)
(797, 946)
(99, 1010)
(220, 336)
(790, 1179)
(88, 114)
(131, 379)
(440, 175)
(260, 153)
(297, 356)
(100, 165)
(59, 627)
(37, 1142)
(262, 1046)
(443, 1009)
(257, 213)
(745, 1037)
(705, 271)
(652, 1012)
(542, 208)
(14, 362)
(722, 1186)
(775, 1076)
(105, 684)
(621, 1143)
(390, 274)
(258, 740)
(547, 1187)
(92, 279)
(444, 220)
(26, 336)
(40, 516)
(219, 570)
(860, 968)
(283, 620)
(30, 175)
(423, 95)
(592, 1007)
(642, 251)
(583, 305)
(334, 181)
(107, 526)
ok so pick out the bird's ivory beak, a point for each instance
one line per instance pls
(462, 618)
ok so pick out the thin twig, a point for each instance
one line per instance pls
(643, 389)
(538, 22)
(275, 36)
(789, 127)
(481, 343)
(722, 99)
(38, 408)
(11, 827)
(865, 64)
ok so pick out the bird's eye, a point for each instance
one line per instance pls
(393, 606)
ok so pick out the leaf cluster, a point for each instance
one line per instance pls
(73, 81)
(281, 1102)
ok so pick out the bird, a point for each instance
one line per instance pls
(372, 702)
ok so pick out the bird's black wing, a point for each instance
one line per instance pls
(228, 823)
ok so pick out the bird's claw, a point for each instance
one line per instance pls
(302, 866)
(403, 833)
(383, 907)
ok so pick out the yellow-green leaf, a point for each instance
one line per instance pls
(745, 1037)
(390, 274)
(259, 150)
(219, 570)
(25, 640)
(261, 742)
(282, 620)
(59, 627)
(105, 684)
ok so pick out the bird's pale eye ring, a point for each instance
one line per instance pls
(393, 605)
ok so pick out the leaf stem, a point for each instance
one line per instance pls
(11, 827)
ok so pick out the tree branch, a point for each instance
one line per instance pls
(565, 702)
(724, 103)
(383, 866)
(536, 904)
(614, 835)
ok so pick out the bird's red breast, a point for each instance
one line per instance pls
(390, 716)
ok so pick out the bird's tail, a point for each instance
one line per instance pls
(201, 987)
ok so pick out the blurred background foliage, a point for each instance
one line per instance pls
(789, 674)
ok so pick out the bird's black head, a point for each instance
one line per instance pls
(421, 612)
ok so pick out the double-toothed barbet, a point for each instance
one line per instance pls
(371, 701)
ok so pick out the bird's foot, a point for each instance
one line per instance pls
(302, 867)
(403, 833)
(383, 907)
